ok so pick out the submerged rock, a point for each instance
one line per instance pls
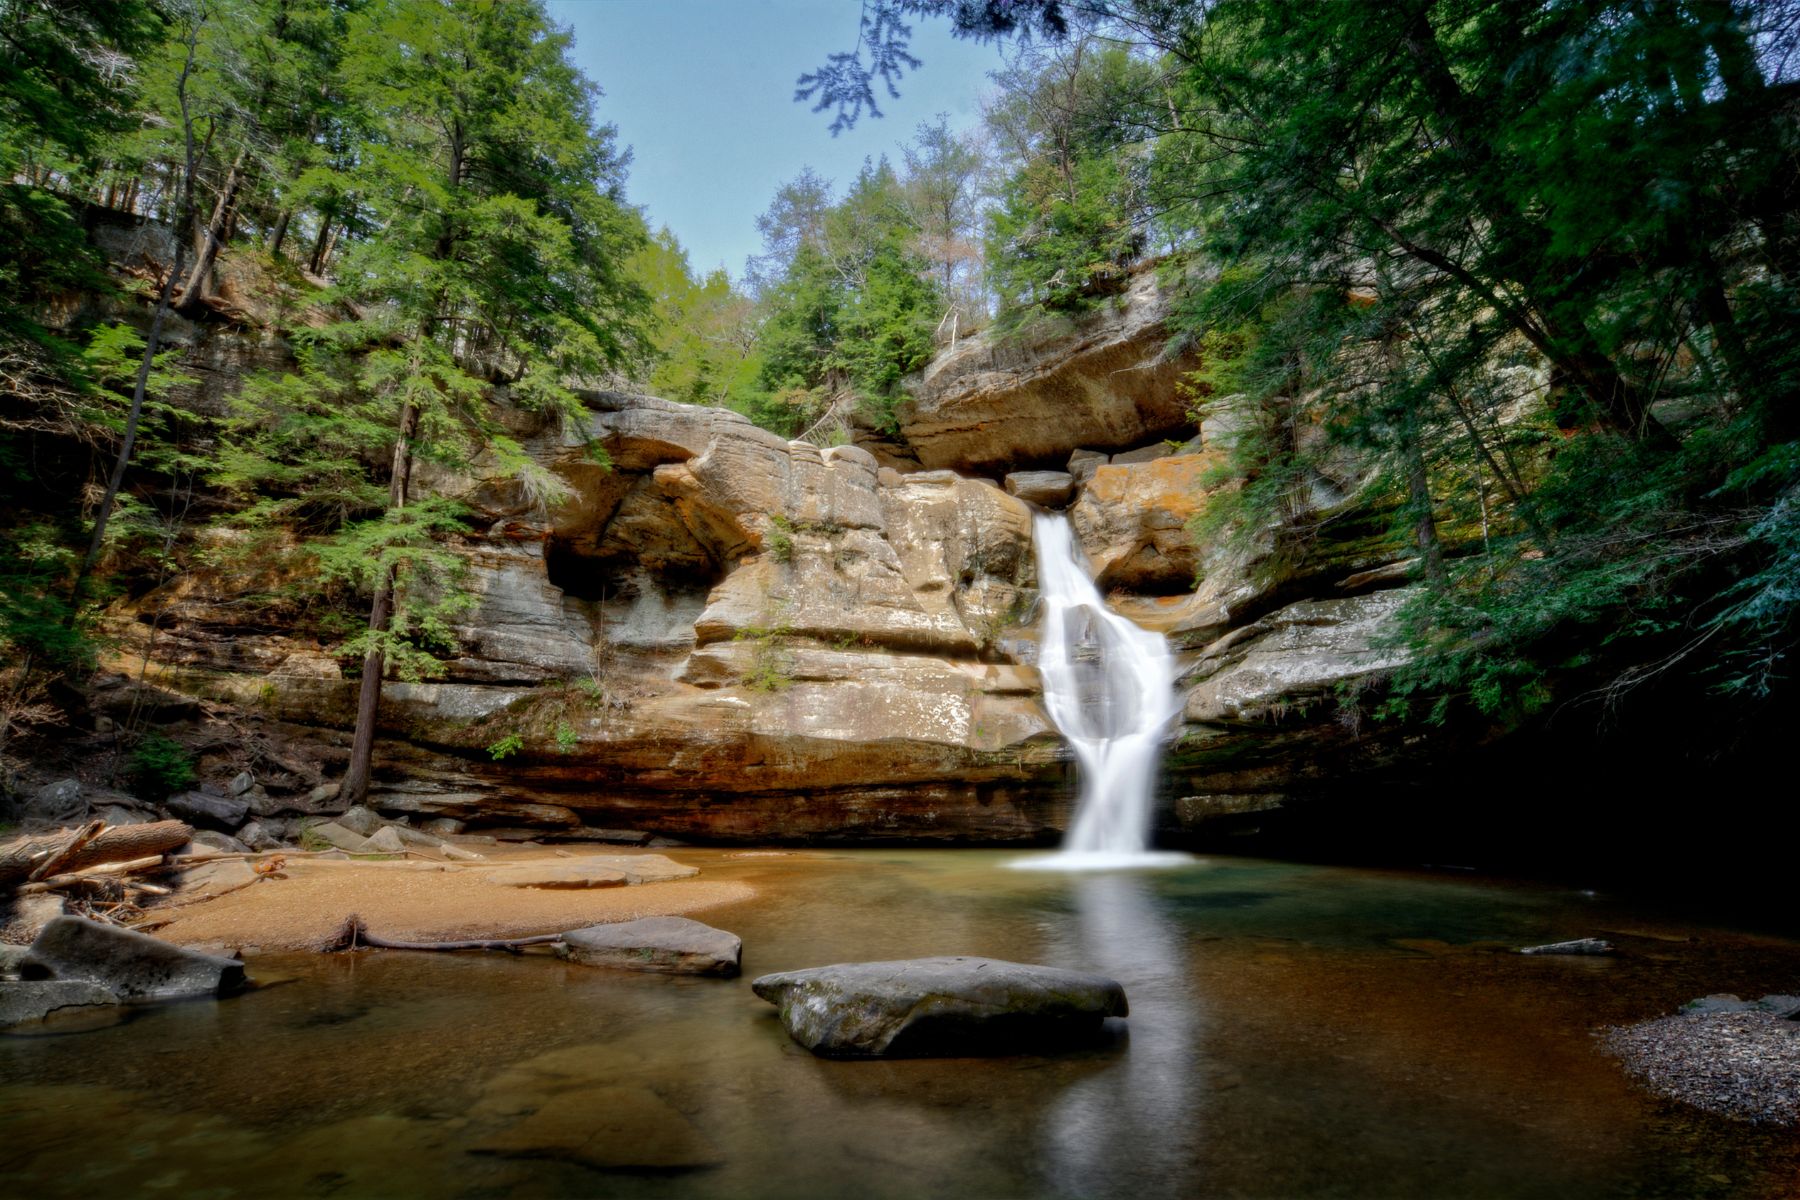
(608, 1129)
(133, 966)
(923, 1007)
(670, 945)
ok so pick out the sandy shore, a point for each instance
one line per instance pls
(414, 900)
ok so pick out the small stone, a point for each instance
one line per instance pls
(1578, 946)
(240, 783)
(670, 945)
(224, 843)
(458, 854)
(133, 966)
(10, 958)
(360, 820)
(444, 826)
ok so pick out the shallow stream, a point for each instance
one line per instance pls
(1294, 1031)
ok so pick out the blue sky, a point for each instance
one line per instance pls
(702, 91)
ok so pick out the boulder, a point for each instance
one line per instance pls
(1083, 464)
(1051, 489)
(204, 808)
(360, 820)
(1037, 393)
(23, 1002)
(670, 945)
(333, 834)
(388, 840)
(224, 843)
(133, 966)
(1132, 520)
(932, 1007)
(570, 874)
(54, 803)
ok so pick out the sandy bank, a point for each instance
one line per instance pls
(417, 901)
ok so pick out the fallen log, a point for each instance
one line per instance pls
(53, 863)
(65, 852)
(90, 874)
(353, 935)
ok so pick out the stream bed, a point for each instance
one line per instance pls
(1295, 1031)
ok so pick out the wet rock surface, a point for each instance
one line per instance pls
(940, 1007)
(25, 1002)
(132, 966)
(668, 945)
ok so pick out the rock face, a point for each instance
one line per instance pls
(132, 966)
(667, 945)
(999, 401)
(937, 1007)
(728, 636)
(1133, 518)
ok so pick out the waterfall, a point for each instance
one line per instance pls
(1109, 686)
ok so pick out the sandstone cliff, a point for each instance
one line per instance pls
(727, 635)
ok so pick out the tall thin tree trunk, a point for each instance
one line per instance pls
(1425, 534)
(355, 788)
(195, 289)
(151, 342)
(317, 259)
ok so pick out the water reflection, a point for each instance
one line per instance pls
(1134, 1128)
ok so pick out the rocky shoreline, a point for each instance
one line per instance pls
(1735, 1058)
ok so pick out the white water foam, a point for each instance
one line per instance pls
(1109, 687)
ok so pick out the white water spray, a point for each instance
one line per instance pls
(1110, 688)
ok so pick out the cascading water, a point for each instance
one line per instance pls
(1110, 688)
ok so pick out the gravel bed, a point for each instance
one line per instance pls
(1737, 1064)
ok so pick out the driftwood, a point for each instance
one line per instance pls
(353, 935)
(65, 853)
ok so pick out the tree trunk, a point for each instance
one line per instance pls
(120, 843)
(355, 788)
(1418, 491)
(194, 290)
(316, 261)
(279, 234)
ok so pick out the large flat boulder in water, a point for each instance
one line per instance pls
(671, 945)
(133, 966)
(924, 1007)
